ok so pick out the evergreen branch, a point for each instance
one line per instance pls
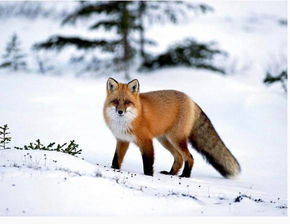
(145, 41)
(187, 53)
(59, 42)
(208, 67)
(5, 64)
(282, 78)
(269, 79)
(107, 7)
(198, 7)
(173, 10)
(107, 24)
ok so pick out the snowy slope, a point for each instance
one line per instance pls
(49, 183)
(63, 109)
(249, 117)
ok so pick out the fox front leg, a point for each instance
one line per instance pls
(121, 149)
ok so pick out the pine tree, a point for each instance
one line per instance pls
(13, 57)
(119, 18)
(128, 19)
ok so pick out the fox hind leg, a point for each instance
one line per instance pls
(178, 161)
(181, 145)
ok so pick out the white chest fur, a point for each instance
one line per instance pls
(121, 125)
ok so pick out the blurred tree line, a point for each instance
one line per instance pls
(127, 47)
(129, 21)
(30, 9)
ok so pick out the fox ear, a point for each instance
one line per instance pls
(112, 85)
(134, 86)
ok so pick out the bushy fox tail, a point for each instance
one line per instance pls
(206, 141)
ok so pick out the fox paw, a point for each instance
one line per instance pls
(184, 175)
(165, 172)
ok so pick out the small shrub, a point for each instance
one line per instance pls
(277, 71)
(5, 139)
(69, 148)
(273, 78)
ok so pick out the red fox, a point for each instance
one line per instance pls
(171, 117)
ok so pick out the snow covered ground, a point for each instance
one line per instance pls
(250, 118)
(64, 109)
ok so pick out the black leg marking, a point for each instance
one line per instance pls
(115, 163)
(165, 172)
(148, 165)
(168, 173)
(186, 170)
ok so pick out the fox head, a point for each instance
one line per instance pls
(122, 98)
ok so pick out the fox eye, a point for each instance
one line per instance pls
(115, 102)
(127, 102)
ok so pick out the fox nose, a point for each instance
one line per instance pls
(120, 112)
